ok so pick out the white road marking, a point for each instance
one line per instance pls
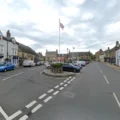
(61, 83)
(101, 71)
(15, 114)
(69, 82)
(106, 80)
(65, 81)
(116, 99)
(31, 104)
(42, 96)
(70, 77)
(47, 99)
(3, 113)
(36, 108)
(57, 86)
(55, 93)
(61, 88)
(51, 90)
(66, 85)
(12, 76)
(25, 117)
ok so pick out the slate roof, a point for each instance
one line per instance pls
(26, 49)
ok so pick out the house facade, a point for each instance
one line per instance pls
(8, 48)
(80, 55)
(51, 55)
(25, 53)
(117, 53)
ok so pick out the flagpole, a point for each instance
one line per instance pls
(59, 39)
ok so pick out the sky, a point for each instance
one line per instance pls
(88, 24)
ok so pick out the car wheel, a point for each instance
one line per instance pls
(5, 70)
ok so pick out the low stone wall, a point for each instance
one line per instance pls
(57, 70)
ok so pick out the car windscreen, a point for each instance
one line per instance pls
(2, 64)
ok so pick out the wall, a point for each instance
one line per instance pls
(118, 57)
(10, 47)
(101, 58)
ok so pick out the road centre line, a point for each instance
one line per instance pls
(61, 88)
(15, 115)
(3, 113)
(55, 93)
(116, 99)
(65, 81)
(25, 117)
(12, 76)
(31, 104)
(106, 80)
(101, 71)
(51, 90)
(36, 108)
(42, 96)
(56, 86)
(47, 99)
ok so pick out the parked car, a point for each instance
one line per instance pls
(28, 63)
(48, 66)
(78, 63)
(38, 63)
(42, 62)
(83, 63)
(70, 67)
(6, 66)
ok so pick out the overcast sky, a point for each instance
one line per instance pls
(89, 24)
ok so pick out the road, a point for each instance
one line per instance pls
(94, 94)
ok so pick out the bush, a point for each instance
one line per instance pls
(57, 65)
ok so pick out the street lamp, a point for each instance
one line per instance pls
(67, 53)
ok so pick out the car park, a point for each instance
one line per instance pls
(6, 66)
(69, 67)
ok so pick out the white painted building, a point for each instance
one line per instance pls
(8, 48)
(118, 56)
(101, 57)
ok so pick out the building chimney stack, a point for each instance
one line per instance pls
(8, 34)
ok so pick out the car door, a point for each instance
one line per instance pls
(8, 66)
(66, 67)
(71, 69)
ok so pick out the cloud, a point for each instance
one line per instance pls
(89, 24)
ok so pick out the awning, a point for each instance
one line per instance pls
(1, 55)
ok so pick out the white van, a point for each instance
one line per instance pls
(28, 63)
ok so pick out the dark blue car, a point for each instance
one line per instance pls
(70, 67)
(6, 66)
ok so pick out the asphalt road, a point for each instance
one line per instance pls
(94, 94)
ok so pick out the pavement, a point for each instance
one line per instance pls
(113, 66)
(63, 74)
(93, 94)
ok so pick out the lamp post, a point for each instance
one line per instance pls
(67, 53)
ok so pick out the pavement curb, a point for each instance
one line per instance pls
(57, 74)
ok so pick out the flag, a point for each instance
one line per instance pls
(61, 25)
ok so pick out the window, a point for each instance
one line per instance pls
(12, 51)
(1, 49)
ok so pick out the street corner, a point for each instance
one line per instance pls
(64, 74)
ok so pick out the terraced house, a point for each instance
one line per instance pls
(8, 48)
(25, 53)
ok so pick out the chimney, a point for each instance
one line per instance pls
(117, 43)
(8, 34)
